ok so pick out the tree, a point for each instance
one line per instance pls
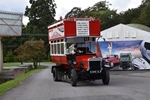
(31, 51)
(21, 56)
(102, 12)
(96, 8)
(144, 17)
(41, 14)
(9, 57)
(75, 12)
(145, 2)
(108, 19)
(130, 15)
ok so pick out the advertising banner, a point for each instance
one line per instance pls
(132, 55)
(56, 32)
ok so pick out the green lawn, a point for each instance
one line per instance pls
(12, 64)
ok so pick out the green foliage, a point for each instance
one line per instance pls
(110, 17)
(41, 14)
(10, 44)
(31, 51)
(144, 17)
(145, 2)
(20, 54)
(130, 15)
(9, 57)
(100, 6)
(75, 12)
(102, 11)
(49, 56)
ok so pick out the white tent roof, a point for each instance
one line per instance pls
(123, 32)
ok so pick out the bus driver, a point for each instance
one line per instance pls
(76, 50)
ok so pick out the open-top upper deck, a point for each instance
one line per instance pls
(75, 27)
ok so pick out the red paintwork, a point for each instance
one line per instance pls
(70, 29)
(94, 28)
(62, 60)
(84, 59)
(59, 59)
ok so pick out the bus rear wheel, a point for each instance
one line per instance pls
(55, 74)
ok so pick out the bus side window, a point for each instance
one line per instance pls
(62, 48)
(58, 46)
(55, 49)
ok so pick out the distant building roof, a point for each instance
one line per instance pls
(140, 26)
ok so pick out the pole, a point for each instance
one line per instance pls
(1, 56)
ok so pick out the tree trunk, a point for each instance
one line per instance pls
(35, 64)
(21, 62)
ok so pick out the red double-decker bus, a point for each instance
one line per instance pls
(84, 63)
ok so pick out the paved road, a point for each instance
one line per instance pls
(124, 85)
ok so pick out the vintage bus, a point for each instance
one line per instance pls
(86, 65)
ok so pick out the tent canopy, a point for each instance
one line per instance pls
(10, 23)
(123, 32)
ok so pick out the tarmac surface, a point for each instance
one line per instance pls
(124, 85)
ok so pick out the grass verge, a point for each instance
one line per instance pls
(18, 63)
(10, 84)
(11, 64)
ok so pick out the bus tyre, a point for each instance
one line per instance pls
(73, 77)
(105, 77)
(55, 74)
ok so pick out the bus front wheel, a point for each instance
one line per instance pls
(73, 77)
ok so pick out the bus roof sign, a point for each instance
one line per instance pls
(78, 27)
(82, 19)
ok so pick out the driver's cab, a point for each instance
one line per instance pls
(86, 48)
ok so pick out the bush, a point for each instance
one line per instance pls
(9, 57)
(49, 56)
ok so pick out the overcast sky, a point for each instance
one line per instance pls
(64, 6)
